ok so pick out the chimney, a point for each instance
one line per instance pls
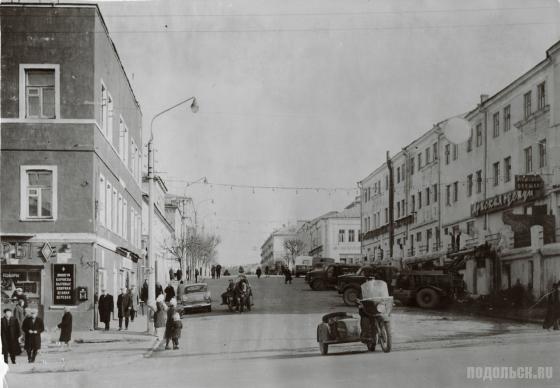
(483, 98)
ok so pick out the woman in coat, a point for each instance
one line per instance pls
(65, 327)
(10, 337)
(32, 328)
(19, 312)
(169, 323)
(160, 316)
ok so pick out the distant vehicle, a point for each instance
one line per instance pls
(303, 264)
(195, 297)
(320, 279)
(428, 289)
(321, 262)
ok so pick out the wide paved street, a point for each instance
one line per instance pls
(274, 345)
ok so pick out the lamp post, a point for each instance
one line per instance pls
(150, 262)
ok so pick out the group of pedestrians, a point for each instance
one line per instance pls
(128, 304)
(167, 321)
(23, 325)
(216, 271)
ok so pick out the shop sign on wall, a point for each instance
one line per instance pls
(63, 284)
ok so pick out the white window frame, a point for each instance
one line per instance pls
(24, 182)
(125, 219)
(101, 203)
(115, 210)
(109, 205)
(119, 228)
(22, 89)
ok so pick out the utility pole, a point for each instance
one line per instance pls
(150, 257)
(391, 206)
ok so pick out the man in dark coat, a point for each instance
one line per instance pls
(169, 292)
(171, 274)
(179, 274)
(124, 305)
(169, 323)
(196, 275)
(159, 289)
(218, 271)
(32, 328)
(106, 306)
(553, 308)
(65, 327)
(10, 336)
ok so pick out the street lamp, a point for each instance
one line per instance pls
(150, 257)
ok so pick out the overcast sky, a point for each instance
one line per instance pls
(309, 93)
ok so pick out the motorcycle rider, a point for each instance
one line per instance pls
(229, 291)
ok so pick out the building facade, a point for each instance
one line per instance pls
(334, 235)
(70, 216)
(273, 250)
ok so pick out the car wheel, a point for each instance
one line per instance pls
(323, 348)
(318, 285)
(427, 298)
(350, 296)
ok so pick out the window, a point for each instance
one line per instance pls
(413, 203)
(386, 182)
(435, 192)
(528, 160)
(455, 151)
(38, 192)
(125, 220)
(119, 227)
(398, 174)
(351, 236)
(403, 208)
(527, 104)
(496, 124)
(123, 141)
(470, 228)
(447, 151)
(101, 200)
(478, 135)
(507, 118)
(419, 237)
(469, 185)
(109, 206)
(398, 210)
(427, 196)
(542, 153)
(479, 181)
(341, 233)
(411, 166)
(427, 155)
(455, 191)
(448, 195)
(39, 91)
(541, 96)
(139, 234)
(419, 200)
(469, 142)
(507, 169)
(386, 216)
(496, 173)
(435, 151)
(115, 211)
(419, 161)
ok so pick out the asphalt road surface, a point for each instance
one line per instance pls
(275, 345)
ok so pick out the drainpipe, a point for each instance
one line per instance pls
(361, 226)
(438, 237)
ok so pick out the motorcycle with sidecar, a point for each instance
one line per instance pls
(371, 327)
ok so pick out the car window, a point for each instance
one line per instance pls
(191, 289)
(347, 270)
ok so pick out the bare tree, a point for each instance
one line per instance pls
(293, 249)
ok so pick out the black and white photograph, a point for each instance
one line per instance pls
(280, 193)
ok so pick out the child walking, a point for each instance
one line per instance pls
(176, 330)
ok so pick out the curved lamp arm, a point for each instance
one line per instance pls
(194, 109)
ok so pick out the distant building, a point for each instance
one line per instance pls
(333, 235)
(71, 145)
(273, 250)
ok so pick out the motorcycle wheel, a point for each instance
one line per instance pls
(385, 336)
(350, 296)
(323, 348)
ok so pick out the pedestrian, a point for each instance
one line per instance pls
(259, 273)
(287, 276)
(19, 295)
(159, 317)
(213, 271)
(19, 312)
(65, 327)
(180, 290)
(553, 308)
(218, 271)
(144, 295)
(171, 274)
(124, 305)
(135, 303)
(169, 292)
(106, 307)
(196, 275)
(169, 323)
(517, 293)
(179, 274)
(159, 289)
(176, 330)
(10, 336)
(32, 328)
(266, 271)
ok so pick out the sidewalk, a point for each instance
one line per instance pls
(523, 314)
(91, 350)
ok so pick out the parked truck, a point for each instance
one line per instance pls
(327, 277)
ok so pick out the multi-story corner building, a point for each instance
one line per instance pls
(273, 250)
(70, 211)
(333, 235)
